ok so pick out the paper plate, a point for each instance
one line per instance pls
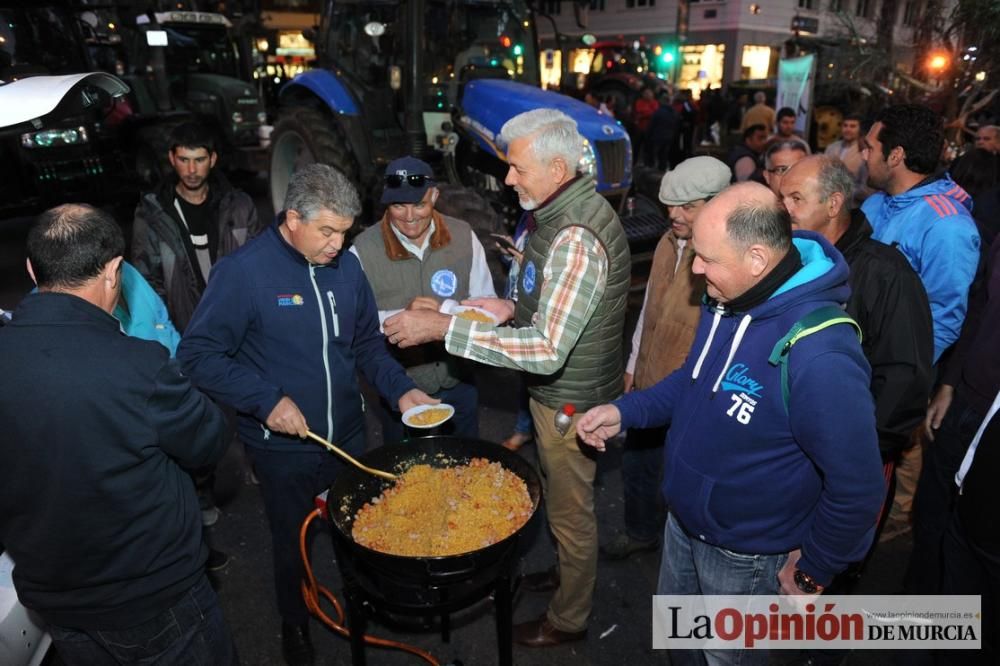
(420, 409)
(459, 309)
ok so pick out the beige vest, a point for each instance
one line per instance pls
(673, 307)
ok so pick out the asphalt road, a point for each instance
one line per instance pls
(620, 627)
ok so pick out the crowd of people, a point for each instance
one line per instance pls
(815, 346)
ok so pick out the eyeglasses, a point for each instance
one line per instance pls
(395, 180)
(779, 170)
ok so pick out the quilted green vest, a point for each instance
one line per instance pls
(592, 374)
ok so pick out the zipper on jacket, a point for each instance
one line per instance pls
(333, 312)
(326, 352)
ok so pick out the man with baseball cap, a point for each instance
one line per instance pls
(415, 258)
(661, 341)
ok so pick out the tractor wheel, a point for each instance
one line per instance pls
(304, 136)
(468, 205)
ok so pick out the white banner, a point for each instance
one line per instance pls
(795, 89)
(845, 622)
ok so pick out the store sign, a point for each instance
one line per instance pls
(805, 24)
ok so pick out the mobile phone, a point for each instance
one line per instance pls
(504, 242)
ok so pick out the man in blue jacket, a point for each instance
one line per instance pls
(767, 494)
(924, 214)
(96, 511)
(284, 325)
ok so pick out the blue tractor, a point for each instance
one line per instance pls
(435, 78)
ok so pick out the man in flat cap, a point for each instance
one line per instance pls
(414, 260)
(661, 341)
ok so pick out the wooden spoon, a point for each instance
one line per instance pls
(346, 456)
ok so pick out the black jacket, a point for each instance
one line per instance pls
(162, 249)
(102, 523)
(889, 303)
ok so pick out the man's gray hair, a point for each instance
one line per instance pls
(554, 134)
(759, 97)
(760, 223)
(995, 129)
(833, 177)
(318, 187)
(785, 144)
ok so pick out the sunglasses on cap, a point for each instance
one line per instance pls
(395, 180)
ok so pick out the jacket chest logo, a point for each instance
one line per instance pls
(288, 300)
(444, 282)
(738, 379)
(746, 391)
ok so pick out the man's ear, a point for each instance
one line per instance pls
(759, 259)
(559, 169)
(31, 271)
(834, 204)
(113, 272)
(897, 156)
(292, 219)
(212, 159)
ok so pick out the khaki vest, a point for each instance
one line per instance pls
(673, 307)
(397, 277)
(592, 373)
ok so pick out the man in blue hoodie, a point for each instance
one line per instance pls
(286, 322)
(924, 214)
(767, 495)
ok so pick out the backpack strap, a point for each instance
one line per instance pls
(814, 322)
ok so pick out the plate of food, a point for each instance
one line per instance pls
(427, 416)
(473, 313)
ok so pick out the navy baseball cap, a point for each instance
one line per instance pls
(406, 180)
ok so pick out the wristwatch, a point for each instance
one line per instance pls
(806, 583)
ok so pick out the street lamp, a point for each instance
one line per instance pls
(937, 62)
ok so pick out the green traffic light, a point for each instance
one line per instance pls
(518, 49)
(668, 57)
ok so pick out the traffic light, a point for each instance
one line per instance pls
(665, 56)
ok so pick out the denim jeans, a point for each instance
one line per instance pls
(936, 493)
(642, 463)
(191, 632)
(690, 566)
(463, 397)
(524, 424)
(289, 483)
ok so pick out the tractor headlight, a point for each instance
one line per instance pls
(237, 118)
(262, 117)
(588, 160)
(55, 138)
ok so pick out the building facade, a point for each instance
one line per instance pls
(712, 43)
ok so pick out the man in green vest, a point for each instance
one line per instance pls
(567, 338)
(415, 259)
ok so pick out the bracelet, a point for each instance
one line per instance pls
(806, 583)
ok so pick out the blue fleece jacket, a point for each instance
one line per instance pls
(740, 471)
(932, 226)
(270, 324)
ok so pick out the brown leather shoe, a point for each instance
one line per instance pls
(541, 581)
(541, 633)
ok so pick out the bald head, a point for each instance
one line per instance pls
(817, 192)
(988, 138)
(738, 238)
